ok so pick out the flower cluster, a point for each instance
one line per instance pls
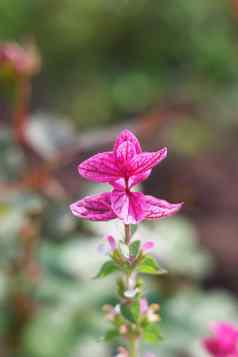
(224, 342)
(123, 168)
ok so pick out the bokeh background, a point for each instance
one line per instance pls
(167, 70)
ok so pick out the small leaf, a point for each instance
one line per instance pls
(152, 333)
(134, 248)
(107, 269)
(150, 265)
(135, 310)
(133, 229)
(131, 312)
(111, 335)
(120, 287)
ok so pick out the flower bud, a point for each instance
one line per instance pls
(148, 245)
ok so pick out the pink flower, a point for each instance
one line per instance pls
(144, 306)
(107, 247)
(122, 352)
(123, 168)
(224, 342)
(112, 243)
(148, 245)
(21, 60)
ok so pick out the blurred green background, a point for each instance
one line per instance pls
(167, 70)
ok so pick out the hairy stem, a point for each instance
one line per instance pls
(133, 340)
(127, 233)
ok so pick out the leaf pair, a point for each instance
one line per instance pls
(148, 265)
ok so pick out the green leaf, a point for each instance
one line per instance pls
(131, 312)
(149, 265)
(134, 248)
(135, 310)
(111, 335)
(152, 333)
(133, 229)
(120, 287)
(107, 269)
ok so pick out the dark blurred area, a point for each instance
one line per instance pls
(72, 75)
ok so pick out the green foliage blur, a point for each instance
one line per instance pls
(114, 59)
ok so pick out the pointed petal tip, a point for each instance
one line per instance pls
(156, 208)
(94, 208)
(76, 211)
(127, 136)
(165, 149)
(100, 168)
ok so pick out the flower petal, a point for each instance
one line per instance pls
(127, 136)
(148, 245)
(94, 208)
(156, 208)
(124, 154)
(134, 180)
(212, 345)
(100, 168)
(112, 242)
(146, 161)
(128, 206)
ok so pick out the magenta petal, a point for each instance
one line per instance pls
(127, 136)
(94, 208)
(112, 242)
(211, 345)
(128, 206)
(156, 208)
(100, 168)
(146, 161)
(148, 245)
(134, 180)
(124, 154)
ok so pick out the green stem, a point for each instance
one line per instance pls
(133, 347)
(133, 341)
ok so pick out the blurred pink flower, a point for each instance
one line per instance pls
(112, 242)
(123, 168)
(22, 60)
(148, 245)
(122, 352)
(224, 342)
(108, 245)
(144, 306)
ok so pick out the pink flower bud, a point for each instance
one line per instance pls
(148, 245)
(144, 306)
(112, 242)
(123, 329)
